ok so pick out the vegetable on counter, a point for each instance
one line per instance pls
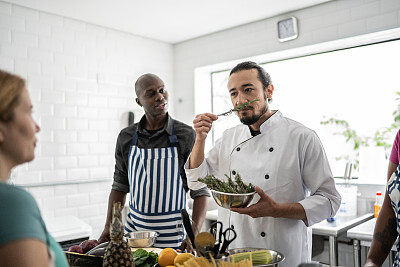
(84, 247)
(143, 258)
(258, 257)
(236, 186)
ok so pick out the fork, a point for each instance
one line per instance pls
(229, 112)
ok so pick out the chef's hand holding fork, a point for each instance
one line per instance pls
(202, 124)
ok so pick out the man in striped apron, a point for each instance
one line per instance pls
(149, 165)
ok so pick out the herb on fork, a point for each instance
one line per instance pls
(242, 106)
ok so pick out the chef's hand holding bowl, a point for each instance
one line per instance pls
(266, 206)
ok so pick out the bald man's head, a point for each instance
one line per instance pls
(145, 81)
(152, 95)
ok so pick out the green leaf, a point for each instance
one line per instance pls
(140, 257)
(153, 258)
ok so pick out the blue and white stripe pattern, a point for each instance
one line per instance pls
(157, 193)
(161, 165)
(393, 189)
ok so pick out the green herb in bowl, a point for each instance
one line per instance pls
(234, 186)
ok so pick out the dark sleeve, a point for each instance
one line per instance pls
(121, 182)
(185, 150)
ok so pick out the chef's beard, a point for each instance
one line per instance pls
(253, 119)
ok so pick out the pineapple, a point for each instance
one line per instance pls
(117, 253)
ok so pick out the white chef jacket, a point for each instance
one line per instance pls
(288, 162)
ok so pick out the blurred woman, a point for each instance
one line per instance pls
(24, 240)
(387, 227)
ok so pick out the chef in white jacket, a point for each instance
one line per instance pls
(283, 158)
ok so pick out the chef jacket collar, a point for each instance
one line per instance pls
(167, 127)
(271, 121)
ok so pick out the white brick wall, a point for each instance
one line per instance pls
(80, 77)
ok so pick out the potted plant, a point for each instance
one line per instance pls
(381, 138)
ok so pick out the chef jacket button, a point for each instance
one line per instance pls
(232, 226)
(233, 172)
(262, 234)
(271, 149)
(238, 149)
(266, 176)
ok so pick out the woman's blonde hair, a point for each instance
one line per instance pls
(11, 87)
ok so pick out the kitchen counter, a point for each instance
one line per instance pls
(362, 236)
(68, 230)
(337, 228)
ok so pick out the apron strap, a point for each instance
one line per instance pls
(173, 139)
(134, 139)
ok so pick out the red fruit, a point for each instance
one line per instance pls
(88, 245)
(76, 249)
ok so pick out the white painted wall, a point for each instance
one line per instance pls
(330, 21)
(80, 77)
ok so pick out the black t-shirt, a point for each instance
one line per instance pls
(254, 133)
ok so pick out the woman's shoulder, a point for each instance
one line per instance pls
(10, 193)
(14, 196)
(20, 215)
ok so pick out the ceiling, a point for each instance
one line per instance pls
(171, 21)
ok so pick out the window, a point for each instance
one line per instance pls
(356, 84)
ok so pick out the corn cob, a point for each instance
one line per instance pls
(258, 257)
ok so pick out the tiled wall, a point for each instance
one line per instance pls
(80, 77)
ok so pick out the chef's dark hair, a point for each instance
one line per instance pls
(263, 76)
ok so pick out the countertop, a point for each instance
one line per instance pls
(363, 231)
(67, 227)
(340, 225)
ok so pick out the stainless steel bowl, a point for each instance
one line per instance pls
(141, 239)
(277, 257)
(229, 200)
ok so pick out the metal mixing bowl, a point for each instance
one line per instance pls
(141, 239)
(277, 257)
(229, 200)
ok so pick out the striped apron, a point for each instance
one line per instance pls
(157, 194)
